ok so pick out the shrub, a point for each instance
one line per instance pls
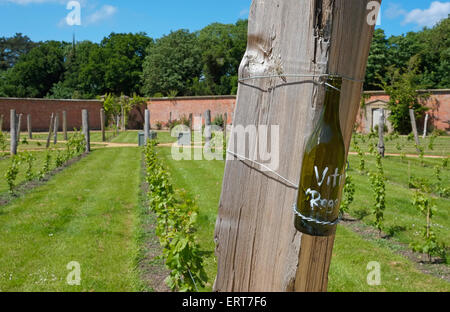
(12, 172)
(349, 194)
(430, 246)
(176, 226)
(378, 183)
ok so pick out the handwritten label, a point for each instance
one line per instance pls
(316, 200)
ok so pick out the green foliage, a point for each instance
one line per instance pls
(76, 143)
(3, 141)
(29, 159)
(430, 246)
(171, 64)
(36, 72)
(378, 183)
(402, 90)
(362, 163)
(349, 194)
(176, 214)
(46, 167)
(440, 189)
(12, 172)
(11, 49)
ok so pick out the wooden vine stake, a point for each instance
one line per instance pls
(86, 129)
(29, 127)
(64, 124)
(414, 129)
(50, 128)
(102, 123)
(257, 245)
(381, 146)
(13, 131)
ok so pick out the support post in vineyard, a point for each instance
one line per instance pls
(425, 126)
(190, 121)
(147, 126)
(225, 123)
(50, 127)
(414, 129)
(86, 130)
(64, 124)
(19, 127)
(292, 47)
(102, 123)
(381, 147)
(29, 127)
(55, 129)
(1, 123)
(13, 131)
(208, 133)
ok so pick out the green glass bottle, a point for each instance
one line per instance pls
(323, 170)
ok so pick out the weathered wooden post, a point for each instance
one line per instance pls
(19, 127)
(50, 128)
(381, 147)
(191, 121)
(64, 124)
(293, 46)
(13, 131)
(86, 130)
(225, 123)
(102, 123)
(55, 129)
(208, 132)
(1, 123)
(29, 127)
(425, 126)
(147, 126)
(414, 129)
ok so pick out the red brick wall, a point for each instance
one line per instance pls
(41, 109)
(160, 108)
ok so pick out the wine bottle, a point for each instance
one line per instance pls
(323, 170)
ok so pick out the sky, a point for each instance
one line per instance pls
(48, 19)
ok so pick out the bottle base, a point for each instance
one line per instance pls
(314, 229)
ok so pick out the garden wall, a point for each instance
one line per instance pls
(164, 109)
(41, 109)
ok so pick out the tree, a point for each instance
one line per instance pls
(402, 90)
(12, 48)
(36, 72)
(124, 55)
(172, 63)
(223, 46)
(377, 61)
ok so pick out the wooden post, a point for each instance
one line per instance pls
(425, 126)
(147, 126)
(208, 133)
(225, 123)
(191, 121)
(257, 245)
(50, 127)
(86, 130)
(414, 129)
(29, 127)
(64, 125)
(381, 147)
(102, 123)
(13, 131)
(1, 123)
(19, 127)
(55, 129)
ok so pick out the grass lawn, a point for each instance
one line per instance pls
(88, 213)
(203, 180)
(402, 219)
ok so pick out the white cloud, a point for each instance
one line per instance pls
(244, 13)
(103, 13)
(428, 17)
(394, 10)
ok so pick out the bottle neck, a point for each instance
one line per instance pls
(332, 101)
